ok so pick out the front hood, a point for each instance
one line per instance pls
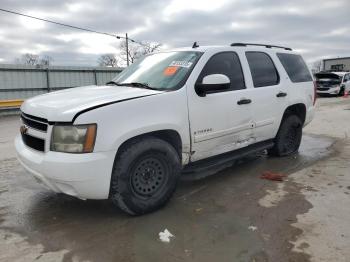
(62, 106)
(327, 75)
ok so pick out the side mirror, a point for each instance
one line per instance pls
(212, 83)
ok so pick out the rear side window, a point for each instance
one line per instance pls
(226, 63)
(264, 72)
(295, 67)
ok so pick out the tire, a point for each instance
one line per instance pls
(288, 138)
(341, 92)
(144, 176)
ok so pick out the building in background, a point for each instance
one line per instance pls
(336, 64)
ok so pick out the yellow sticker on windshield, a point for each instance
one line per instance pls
(170, 70)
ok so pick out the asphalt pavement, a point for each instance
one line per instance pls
(233, 215)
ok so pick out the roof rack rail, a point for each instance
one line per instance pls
(267, 46)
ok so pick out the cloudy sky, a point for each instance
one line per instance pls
(316, 28)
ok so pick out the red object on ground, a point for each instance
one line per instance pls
(272, 176)
(346, 94)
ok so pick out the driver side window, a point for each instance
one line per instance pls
(228, 64)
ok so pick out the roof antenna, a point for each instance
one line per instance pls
(195, 45)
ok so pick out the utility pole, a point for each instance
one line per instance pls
(127, 39)
(127, 48)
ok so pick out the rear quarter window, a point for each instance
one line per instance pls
(295, 67)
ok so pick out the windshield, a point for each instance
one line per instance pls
(163, 71)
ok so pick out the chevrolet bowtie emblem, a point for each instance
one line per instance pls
(23, 129)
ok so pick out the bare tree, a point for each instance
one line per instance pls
(150, 47)
(317, 66)
(46, 60)
(109, 60)
(29, 59)
(32, 59)
(137, 50)
(133, 52)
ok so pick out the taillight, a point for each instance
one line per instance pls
(315, 92)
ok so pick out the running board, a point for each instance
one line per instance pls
(206, 167)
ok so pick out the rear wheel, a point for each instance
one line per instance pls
(144, 175)
(288, 138)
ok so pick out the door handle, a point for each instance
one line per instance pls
(281, 94)
(244, 101)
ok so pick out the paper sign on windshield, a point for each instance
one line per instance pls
(170, 70)
(181, 64)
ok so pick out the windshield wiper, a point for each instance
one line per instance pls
(134, 84)
(113, 83)
(137, 84)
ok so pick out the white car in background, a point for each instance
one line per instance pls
(332, 83)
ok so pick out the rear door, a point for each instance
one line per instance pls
(269, 96)
(218, 122)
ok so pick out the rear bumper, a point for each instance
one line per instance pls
(85, 176)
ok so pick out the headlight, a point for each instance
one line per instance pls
(73, 138)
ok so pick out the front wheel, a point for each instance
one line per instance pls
(144, 176)
(288, 138)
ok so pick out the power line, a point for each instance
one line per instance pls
(127, 39)
(67, 25)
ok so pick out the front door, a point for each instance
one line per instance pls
(220, 121)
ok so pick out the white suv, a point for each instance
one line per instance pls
(169, 114)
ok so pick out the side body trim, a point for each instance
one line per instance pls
(212, 135)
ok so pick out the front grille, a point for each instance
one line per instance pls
(34, 142)
(34, 122)
(323, 88)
